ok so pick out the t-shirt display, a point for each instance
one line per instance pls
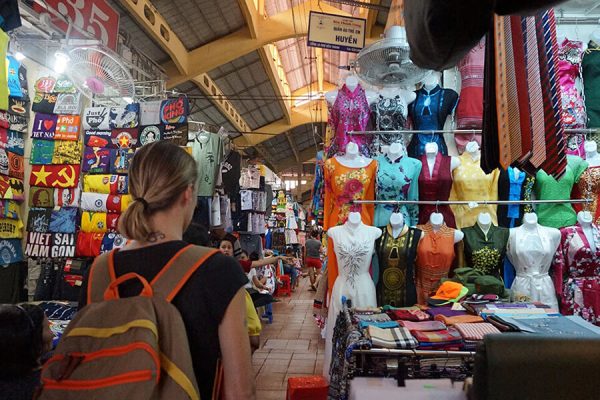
(485, 251)
(350, 112)
(207, 150)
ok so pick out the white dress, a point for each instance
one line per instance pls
(532, 252)
(353, 249)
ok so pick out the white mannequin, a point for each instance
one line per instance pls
(530, 221)
(352, 158)
(484, 220)
(354, 219)
(585, 219)
(432, 80)
(437, 220)
(397, 224)
(595, 36)
(431, 151)
(395, 151)
(591, 153)
(473, 149)
(408, 96)
(351, 83)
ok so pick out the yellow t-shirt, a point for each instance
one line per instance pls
(93, 222)
(254, 324)
(96, 184)
(11, 228)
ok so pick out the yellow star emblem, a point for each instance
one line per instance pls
(124, 141)
(41, 176)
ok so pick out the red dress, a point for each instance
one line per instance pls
(436, 186)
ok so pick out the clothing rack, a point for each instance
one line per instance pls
(458, 132)
(425, 353)
(476, 202)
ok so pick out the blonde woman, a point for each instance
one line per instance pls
(162, 182)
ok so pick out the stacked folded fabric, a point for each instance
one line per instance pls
(465, 319)
(393, 338)
(379, 320)
(425, 326)
(474, 333)
(444, 339)
(412, 314)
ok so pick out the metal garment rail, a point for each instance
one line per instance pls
(472, 202)
(425, 353)
(455, 132)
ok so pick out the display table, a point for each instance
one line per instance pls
(422, 389)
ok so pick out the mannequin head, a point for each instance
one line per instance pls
(351, 82)
(432, 80)
(431, 149)
(395, 151)
(352, 149)
(472, 147)
(585, 218)
(354, 218)
(530, 219)
(484, 219)
(436, 219)
(595, 36)
(397, 220)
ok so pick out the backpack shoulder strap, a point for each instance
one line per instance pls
(102, 273)
(169, 281)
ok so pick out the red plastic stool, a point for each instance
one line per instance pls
(286, 288)
(313, 387)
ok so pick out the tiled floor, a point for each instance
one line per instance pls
(290, 346)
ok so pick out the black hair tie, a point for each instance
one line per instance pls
(144, 202)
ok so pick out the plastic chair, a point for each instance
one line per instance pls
(286, 287)
(313, 387)
(269, 313)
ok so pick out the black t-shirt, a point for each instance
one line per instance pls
(231, 172)
(202, 301)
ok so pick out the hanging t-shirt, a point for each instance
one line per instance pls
(68, 103)
(99, 222)
(10, 209)
(88, 244)
(112, 241)
(124, 117)
(67, 197)
(176, 133)
(63, 220)
(15, 142)
(42, 151)
(109, 184)
(10, 251)
(150, 134)
(56, 176)
(3, 162)
(18, 123)
(18, 107)
(11, 188)
(44, 126)
(66, 152)
(11, 229)
(38, 220)
(96, 118)
(207, 150)
(67, 127)
(3, 75)
(174, 111)
(124, 138)
(97, 160)
(120, 160)
(41, 197)
(150, 112)
(43, 103)
(14, 86)
(231, 171)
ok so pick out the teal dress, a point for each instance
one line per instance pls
(398, 180)
(547, 188)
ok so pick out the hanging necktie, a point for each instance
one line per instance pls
(502, 92)
(556, 161)
(536, 101)
(512, 99)
(489, 137)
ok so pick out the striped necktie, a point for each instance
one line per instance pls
(518, 41)
(556, 162)
(512, 99)
(536, 101)
(502, 107)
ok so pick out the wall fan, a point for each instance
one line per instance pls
(387, 62)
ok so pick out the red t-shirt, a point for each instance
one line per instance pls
(246, 265)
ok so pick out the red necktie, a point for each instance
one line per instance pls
(522, 89)
(535, 96)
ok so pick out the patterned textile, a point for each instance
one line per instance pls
(591, 84)
(380, 317)
(485, 251)
(350, 112)
(436, 185)
(408, 315)
(389, 114)
(423, 326)
(475, 331)
(465, 319)
(469, 112)
(442, 336)
(589, 188)
(394, 338)
(382, 325)
(577, 273)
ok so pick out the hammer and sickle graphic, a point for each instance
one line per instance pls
(69, 179)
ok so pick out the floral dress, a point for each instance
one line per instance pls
(570, 56)
(397, 180)
(577, 273)
(350, 112)
(589, 188)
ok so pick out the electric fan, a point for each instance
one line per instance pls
(99, 74)
(387, 62)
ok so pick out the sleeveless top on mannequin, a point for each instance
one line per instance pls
(350, 112)
(436, 186)
(591, 86)
(389, 115)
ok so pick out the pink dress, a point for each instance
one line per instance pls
(350, 112)
(469, 112)
(570, 56)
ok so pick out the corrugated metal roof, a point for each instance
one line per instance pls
(278, 148)
(201, 109)
(197, 22)
(246, 83)
(298, 61)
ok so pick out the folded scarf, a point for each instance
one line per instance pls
(423, 326)
(382, 325)
(395, 338)
(442, 336)
(466, 319)
(473, 332)
(408, 315)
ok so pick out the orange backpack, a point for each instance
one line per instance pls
(127, 348)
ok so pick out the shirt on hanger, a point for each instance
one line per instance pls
(207, 150)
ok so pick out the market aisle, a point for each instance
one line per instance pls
(291, 345)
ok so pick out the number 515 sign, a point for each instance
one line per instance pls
(96, 17)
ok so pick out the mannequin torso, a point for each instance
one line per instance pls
(437, 221)
(484, 220)
(395, 151)
(352, 158)
(585, 220)
(431, 151)
(352, 83)
(397, 224)
(591, 153)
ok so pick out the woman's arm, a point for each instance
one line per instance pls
(265, 261)
(257, 283)
(235, 351)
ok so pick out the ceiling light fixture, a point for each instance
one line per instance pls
(19, 56)
(61, 62)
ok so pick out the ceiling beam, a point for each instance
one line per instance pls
(157, 27)
(312, 112)
(251, 15)
(271, 60)
(216, 97)
(288, 24)
(288, 136)
(372, 17)
(320, 69)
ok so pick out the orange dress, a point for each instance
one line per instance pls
(435, 255)
(343, 184)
